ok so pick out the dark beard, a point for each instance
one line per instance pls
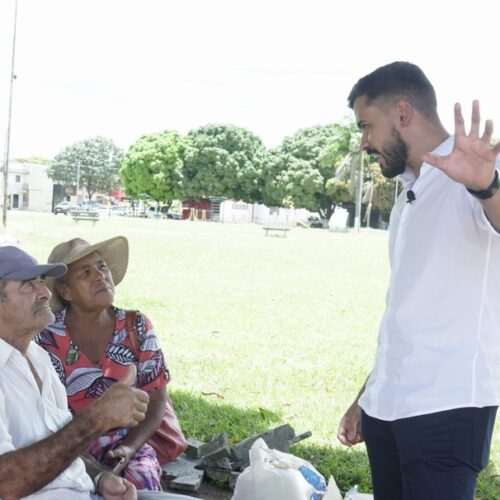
(395, 154)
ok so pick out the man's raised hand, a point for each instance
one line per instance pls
(472, 160)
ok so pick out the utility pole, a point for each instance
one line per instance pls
(359, 193)
(78, 183)
(7, 140)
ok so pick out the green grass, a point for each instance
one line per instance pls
(257, 331)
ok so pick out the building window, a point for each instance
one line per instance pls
(18, 178)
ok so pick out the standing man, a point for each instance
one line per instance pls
(40, 443)
(427, 410)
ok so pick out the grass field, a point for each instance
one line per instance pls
(257, 331)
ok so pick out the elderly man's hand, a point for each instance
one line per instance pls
(112, 487)
(121, 405)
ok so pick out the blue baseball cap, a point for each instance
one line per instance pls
(17, 265)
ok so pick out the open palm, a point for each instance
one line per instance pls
(472, 160)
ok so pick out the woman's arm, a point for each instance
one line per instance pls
(140, 434)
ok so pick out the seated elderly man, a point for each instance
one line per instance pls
(41, 446)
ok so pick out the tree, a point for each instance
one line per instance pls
(378, 191)
(303, 168)
(36, 160)
(93, 163)
(317, 168)
(383, 194)
(223, 161)
(153, 167)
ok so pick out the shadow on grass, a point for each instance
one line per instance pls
(204, 417)
(349, 467)
(488, 483)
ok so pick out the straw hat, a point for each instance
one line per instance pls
(114, 252)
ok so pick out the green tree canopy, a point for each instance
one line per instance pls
(36, 160)
(153, 167)
(93, 164)
(383, 188)
(303, 168)
(223, 160)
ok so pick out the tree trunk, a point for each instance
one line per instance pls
(369, 207)
(329, 212)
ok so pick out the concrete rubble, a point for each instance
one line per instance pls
(221, 462)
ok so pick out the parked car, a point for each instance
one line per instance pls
(93, 206)
(315, 221)
(174, 215)
(118, 210)
(164, 212)
(64, 207)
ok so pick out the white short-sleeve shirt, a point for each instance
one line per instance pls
(439, 338)
(26, 416)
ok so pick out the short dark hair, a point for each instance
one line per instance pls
(398, 80)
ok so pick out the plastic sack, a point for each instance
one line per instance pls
(275, 475)
(333, 492)
(354, 494)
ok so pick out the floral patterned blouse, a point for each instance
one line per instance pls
(84, 380)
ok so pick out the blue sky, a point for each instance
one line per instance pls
(122, 68)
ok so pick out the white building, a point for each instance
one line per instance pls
(238, 211)
(28, 187)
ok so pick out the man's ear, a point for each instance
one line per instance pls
(404, 112)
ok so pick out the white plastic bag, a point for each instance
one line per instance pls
(333, 492)
(274, 475)
(354, 494)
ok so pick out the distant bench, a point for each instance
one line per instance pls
(276, 229)
(85, 215)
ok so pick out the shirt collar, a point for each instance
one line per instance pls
(6, 351)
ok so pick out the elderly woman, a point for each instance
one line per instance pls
(92, 342)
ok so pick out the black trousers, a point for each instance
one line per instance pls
(429, 457)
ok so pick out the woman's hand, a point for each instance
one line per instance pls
(123, 454)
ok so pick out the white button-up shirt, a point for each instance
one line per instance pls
(26, 416)
(439, 339)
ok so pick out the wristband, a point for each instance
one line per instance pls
(97, 478)
(489, 192)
